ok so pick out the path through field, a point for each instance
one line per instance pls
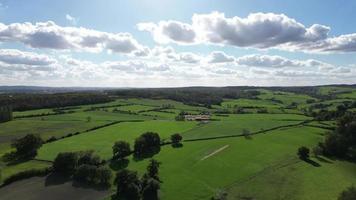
(215, 152)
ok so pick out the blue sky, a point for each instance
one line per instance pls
(280, 51)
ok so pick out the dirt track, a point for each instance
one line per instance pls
(44, 188)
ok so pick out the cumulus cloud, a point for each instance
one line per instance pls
(169, 31)
(257, 30)
(170, 55)
(257, 60)
(14, 56)
(219, 57)
(52, 36)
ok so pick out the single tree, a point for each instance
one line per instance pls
(121, 149)
(147, 143)
(27, 146)
(153, 169)
(303, 153)
(176, 138)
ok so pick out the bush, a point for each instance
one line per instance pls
(26, 174)
(303, 153)
(51, 139)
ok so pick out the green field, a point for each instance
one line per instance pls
(215, 155)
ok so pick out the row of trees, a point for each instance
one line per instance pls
(5, 113)
(341, 143)
(84, 167)
(20, 102)
(130, 186)
(204, 96)
(145, 145)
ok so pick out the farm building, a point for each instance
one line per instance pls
(197, 117)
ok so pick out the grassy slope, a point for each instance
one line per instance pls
(234, 124)
(102, 140)
(186, 176)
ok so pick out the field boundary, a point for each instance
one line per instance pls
(253, 133)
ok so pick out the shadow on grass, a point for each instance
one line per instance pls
(77, 184)
(56, 179)
(312, 162)
(11, 158)
(119, 164)
(177, 145)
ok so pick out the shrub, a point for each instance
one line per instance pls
(26, 174)
(51, 139)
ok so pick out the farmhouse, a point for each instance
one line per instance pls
(197, 117)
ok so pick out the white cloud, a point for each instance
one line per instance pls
(52, 36)
(71, 19)
(14, 56)
(169, 31)
(219, 57)
(257, 60)
(257, 30)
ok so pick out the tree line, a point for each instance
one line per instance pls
(5, 113)
(202, 96)
(21, 102)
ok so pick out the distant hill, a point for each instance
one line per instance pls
(47, 90)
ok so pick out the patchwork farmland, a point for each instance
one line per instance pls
(246, 149)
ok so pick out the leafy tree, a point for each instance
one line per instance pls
(342, 142)
(104, 176)
(121, 149)
(150, 190)
(348, 194)
(147, 143)
(85, 173)
(128, 185)
(176, 138)
(27, 146)
(303, 153)
(92, 174)
(5, 113)
(153, 169)
(89, 158)
(66, 163)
